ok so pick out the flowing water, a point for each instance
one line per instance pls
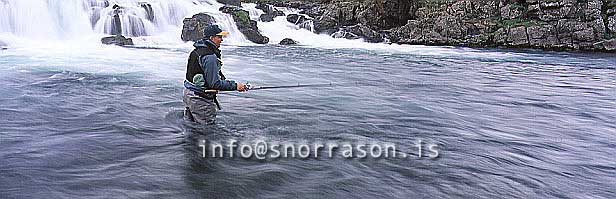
(83, 120)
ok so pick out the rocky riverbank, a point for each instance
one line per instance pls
(550, 24)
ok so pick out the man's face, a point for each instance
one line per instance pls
(216, 39)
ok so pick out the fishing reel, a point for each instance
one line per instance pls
(248, 86)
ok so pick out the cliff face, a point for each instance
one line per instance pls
(551, 24)
(547, 24)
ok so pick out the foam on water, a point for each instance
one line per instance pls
(58, 35)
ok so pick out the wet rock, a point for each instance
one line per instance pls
(192, 29)
(245, 25)
(230, 2)
(287, 41)
(542, 36)
(359, 31)
(269, 12)
(517, 36)
(116, 23)
(148, 11)
(608, 45)
(117, 40)
(557, 25)
(304, 22)
(295, 18)
(411, 33)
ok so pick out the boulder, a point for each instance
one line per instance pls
(607, 45)
(116, 23)
(269, 12)
(296, 19)
(193, 27)
(542, 36)
(230, 2)
(411, 33)
(245, 25)
(117, 40)
(359, 31)
(517, 36)
(287, 41)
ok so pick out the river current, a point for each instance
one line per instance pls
(107, 123)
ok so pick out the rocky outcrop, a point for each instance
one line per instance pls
(117, 40)
(297, 4)
(230, 2)
(269, 12)
(193, 27)
(358, 31)
(245, 25)
(560, 25)
(287, 41)
(553, 24)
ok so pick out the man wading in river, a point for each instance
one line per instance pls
(203, 73)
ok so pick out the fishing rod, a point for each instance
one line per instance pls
(298, 85)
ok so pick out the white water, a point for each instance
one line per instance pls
(65, 35)
(65, 20)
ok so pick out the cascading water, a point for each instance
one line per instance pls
(69, 19)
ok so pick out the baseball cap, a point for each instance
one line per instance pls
(213, 30)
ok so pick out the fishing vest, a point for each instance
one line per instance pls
(193, 67)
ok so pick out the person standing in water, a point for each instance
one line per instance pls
(203, 74)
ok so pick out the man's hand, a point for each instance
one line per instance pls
(241, 87)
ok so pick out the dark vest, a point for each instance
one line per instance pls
(193, 67)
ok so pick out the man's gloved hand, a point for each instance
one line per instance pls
(241, 87)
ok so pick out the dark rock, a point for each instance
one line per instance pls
(245, 25)
(288, 41)
(411, 33)
(117, 40)
(269, 12)
(517, 36)
(229, 9)
(295, 18)
(230, 2)
(385, 14)
(313, 12)
(266, 18)
(116, 23)
(608, 45)
(359, 31)
(193, 27)
(556, 25)
(345, 35)
(148, 11)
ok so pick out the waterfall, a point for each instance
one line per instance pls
(68, 19)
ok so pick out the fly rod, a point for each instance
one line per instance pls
(250, 87)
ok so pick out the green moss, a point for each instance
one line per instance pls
(242, 17)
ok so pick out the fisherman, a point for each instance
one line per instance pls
(203, 75)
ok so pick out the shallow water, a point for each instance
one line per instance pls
(509, 124)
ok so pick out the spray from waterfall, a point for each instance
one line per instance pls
(69, 19)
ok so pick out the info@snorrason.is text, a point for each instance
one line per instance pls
(261, 149)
